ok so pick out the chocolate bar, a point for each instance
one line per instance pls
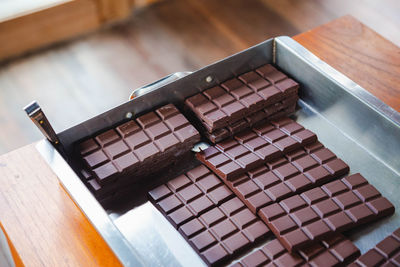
(254, 147)
(208, 215)
(127, 185)
(385, 253)
(255, 166)
(303, 219)
(275, 111)
(332, 251)
(136, 148)
(232, 100)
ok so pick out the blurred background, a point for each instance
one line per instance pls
(79, 58)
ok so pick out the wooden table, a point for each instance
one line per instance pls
(361, 54)
(47, 228)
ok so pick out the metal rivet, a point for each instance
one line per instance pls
(129, 115)
(209, 79)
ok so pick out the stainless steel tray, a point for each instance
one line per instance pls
(350, 121)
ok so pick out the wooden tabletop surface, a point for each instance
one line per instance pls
(360, 53)
(47, 228)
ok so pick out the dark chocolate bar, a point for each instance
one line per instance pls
(137, 148)
(222, 105)
(303, 219)
(272, 112)
(208, 215)
(332, 251)
(256, 146)
(125, 185)
(385, 253)
(255, 166)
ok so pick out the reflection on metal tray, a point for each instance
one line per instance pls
(359, 128)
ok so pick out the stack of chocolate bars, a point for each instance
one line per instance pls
(136, 149)
(242, 102)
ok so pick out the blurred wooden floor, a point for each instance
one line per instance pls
(89, 75)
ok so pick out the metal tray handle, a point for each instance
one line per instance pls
(38, 117)
(157, 84)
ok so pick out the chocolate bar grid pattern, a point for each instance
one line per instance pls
(333, 251)
(218, 106)
(251, 148)
(137, 142)
(286, 174)
(305, 218)
(208, 215)
(274, 111)
(385, 253)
